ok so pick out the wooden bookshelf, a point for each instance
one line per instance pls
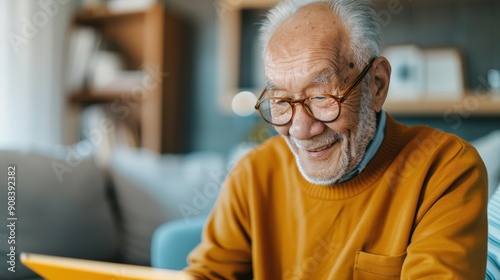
(149, 39)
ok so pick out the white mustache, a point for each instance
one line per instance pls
(317, 142)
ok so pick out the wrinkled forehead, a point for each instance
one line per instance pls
(314, 38)
(314, 32)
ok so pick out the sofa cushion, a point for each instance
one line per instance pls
(61, 206)
(152, 189)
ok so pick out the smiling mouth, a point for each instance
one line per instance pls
(321, 148)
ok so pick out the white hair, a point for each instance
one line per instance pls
(358, 16)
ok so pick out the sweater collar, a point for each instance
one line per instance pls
(376, 168)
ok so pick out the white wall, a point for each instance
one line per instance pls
(31, 71)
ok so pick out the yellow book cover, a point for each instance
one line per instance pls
(61, 268)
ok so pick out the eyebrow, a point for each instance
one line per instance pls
(323, 79)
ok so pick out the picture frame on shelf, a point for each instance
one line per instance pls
(408, 73)
(444, 74)
(432, 74)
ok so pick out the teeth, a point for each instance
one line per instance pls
(323, 148)
(320, 143)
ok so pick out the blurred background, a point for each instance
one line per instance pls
(133, 111)
(167, 78)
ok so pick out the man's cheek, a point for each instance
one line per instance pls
(282, 130)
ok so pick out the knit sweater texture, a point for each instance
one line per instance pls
(418, 211)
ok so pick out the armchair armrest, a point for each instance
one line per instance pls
(173, 241)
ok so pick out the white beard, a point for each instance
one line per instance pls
(351, 155)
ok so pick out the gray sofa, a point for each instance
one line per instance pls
(67, 206)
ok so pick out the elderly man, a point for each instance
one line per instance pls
(346, 192)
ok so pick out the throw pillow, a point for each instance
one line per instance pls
(152, 189)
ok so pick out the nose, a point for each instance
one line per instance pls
(304, 127)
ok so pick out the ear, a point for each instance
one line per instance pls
(381, 76)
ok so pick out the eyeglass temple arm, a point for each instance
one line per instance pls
(259, 99)
(358, 80)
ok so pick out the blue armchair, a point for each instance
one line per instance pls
(173, 241)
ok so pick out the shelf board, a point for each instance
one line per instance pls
(98, 97)
(103, 14)
(254, 4)
(468, 106)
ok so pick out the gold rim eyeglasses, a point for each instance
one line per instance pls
(320, 107)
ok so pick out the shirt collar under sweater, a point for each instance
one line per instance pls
(389, 149)
(371, 149)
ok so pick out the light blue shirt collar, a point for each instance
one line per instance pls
(371, 150)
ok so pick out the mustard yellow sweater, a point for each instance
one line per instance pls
(418, 211)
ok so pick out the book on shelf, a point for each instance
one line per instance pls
(109, 80)
(107, 131)
(83, 43)
(120, 6)
(99, 65)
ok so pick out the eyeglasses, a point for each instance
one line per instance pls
(320, 107)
